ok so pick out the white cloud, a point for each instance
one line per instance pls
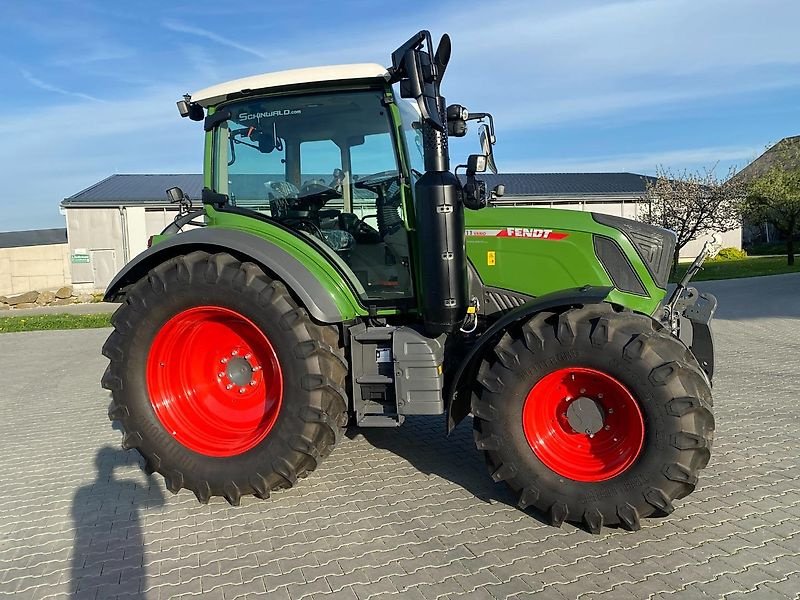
(647, 162)
(43, 85)
(214, 37)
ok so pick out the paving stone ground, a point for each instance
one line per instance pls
(406, 513)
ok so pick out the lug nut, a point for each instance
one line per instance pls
(220, 375)
(242, 390)
(599, 396)
(253, 383)
(583, 390)
(256, 368)
(611, 411)
(248, 356)
(229, 386)
(234, 353)
(607, 427)
(223, 360)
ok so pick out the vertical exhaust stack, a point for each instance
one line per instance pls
(439, 210)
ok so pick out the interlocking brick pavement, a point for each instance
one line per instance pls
(406, 513)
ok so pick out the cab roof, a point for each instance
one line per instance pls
(361, 71)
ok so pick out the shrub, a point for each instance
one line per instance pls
(730, 254)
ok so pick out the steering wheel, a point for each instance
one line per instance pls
(376, 181)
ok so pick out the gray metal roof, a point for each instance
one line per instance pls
(783, 154)
(34, 237)
(118, 190)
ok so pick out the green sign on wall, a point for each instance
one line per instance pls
(80, 258)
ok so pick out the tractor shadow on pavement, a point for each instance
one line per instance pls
(108, 550)
(422, 442)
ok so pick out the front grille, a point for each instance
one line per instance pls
(504, 301)
(617, 265)
(654, 245)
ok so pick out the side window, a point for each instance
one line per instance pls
(413, 134)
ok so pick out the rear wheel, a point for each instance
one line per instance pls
(594, 415)
(221, 381)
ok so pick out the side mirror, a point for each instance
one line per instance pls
(476, 163)
(487, 139)
(499, 191)
(175, 195)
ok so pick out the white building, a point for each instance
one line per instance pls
(110, 222)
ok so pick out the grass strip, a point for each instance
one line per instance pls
(58, 321)
(752, 266)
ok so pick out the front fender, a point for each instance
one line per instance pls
(317, 299)
(460, 386)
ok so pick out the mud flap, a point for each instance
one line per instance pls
(695, 328)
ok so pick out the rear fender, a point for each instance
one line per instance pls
(316, 298)
(459, 390)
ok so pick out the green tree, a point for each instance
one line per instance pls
(692, 204)
(774, 196)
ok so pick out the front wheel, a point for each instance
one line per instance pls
(593, 416)
(221, 381)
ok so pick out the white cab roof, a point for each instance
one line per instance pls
(217, 93)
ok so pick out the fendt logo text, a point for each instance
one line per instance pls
(526, 232)
(518, 232)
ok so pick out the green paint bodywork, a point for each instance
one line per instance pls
(540, 265)
(533, 266)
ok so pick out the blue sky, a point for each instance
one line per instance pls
(89, 86)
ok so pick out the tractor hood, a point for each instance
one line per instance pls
(536, 251)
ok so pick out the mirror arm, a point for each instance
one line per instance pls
(418, 74)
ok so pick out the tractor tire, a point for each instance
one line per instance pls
(593, 415)
(221, 381)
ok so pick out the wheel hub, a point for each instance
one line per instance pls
(239, 371)
(585, 415)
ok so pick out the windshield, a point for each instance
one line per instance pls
(324, 165)
(283, 146)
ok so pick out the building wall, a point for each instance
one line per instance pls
(30, 268)
(110, 237)
(730, 239)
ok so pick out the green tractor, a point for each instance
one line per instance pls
(339, 272)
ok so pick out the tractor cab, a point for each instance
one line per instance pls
(335, 156)
(329, 164)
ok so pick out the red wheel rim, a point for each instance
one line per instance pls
(577, 455)
(214, 381)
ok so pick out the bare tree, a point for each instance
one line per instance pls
(693, 204)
